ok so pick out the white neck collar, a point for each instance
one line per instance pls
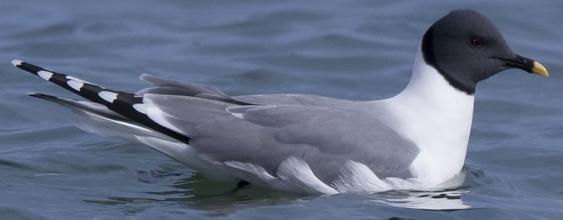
(437, 117)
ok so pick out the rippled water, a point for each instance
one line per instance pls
(347, 49)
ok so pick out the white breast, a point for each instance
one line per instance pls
(437, 118)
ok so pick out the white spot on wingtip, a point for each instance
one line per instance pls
(108, 96)
(76, 85)
(142, 108)
(46, 75)
(17, 62)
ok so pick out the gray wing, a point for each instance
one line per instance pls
(170, 87)
(265, 135)
(165, 86)
(293, 99)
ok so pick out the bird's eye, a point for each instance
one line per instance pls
(476, 41)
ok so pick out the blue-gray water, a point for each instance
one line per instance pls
(347, 49)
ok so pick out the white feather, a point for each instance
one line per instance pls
(142, 108)
(46, 75)
(76, 85)
(357, 177)
(17, 62)
(437, 118)
(181, 152)
(108, 96)
(297, 174)
(160, 117)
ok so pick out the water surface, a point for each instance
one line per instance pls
(347, 49)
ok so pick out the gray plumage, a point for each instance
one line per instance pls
(306, 127)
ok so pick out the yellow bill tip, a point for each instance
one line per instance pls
(539, 69)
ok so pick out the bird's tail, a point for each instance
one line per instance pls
(97, 119)
(121, 114)
(124, 104)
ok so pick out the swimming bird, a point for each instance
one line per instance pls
(416, 139)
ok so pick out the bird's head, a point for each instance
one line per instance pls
(465, 47)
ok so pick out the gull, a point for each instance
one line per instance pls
(415, 140)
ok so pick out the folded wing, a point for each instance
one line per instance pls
(265, 135)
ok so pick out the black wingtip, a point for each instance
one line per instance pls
(122, 103)
(27, 66)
